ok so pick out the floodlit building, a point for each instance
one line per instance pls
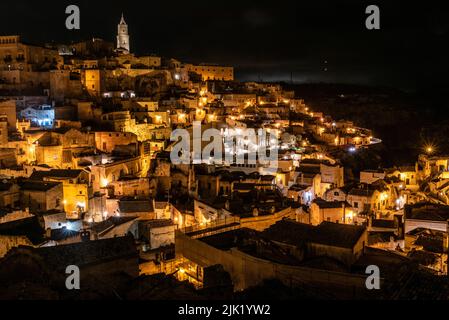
(123, 36)
(212, 72)
(42, 116)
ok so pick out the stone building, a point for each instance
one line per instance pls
(123, 36)
(15, 55)
(107, 141)
(331, 211)
(76, 189)
(41, 196)
(212, 72)
(56, 148)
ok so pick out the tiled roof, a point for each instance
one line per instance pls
(323, 204)
(62, 234)
(136, 206)
(383, 223)
(427, 211)
(298, 187)
(38, 186)
(110, 223)
(327, 233)
(361, 192)
(55, 173)
(159, 223)
(308, 169)
(89, 252)
(431, 243)
(29, 227)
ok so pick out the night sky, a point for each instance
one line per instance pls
(264, 40)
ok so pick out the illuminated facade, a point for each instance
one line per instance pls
(15, 55)
(107, 141)
(211, 72)
(43, 116)
(104, 174)
(123, 36)
(75, 186)
(92, 81)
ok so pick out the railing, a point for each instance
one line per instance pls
(212, 227)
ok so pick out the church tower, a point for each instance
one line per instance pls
(122, 35)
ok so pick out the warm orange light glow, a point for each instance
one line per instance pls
(104, 182)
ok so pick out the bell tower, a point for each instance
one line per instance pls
(122, 35)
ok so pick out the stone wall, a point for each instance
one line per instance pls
(9, 242)
(261, 223)
(247, 271)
